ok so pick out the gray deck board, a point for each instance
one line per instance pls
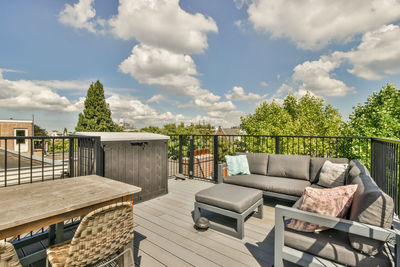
(164, 233)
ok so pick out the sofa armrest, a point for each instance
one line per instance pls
(222, 168)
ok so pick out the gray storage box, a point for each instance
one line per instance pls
(140, 159)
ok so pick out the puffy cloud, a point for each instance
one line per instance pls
(153, 65)
(377, 54)
(315, 76)
(64, 85)
(163, 24)
(81, 16)
(156, 99)
(264, 84)
(238, 94)
(28, 94)
(314, 24)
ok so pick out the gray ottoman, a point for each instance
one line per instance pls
(230, 200)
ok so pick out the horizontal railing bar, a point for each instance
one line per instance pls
(386, 140)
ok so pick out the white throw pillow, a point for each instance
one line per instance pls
(332, 174)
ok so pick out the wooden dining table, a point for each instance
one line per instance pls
(29, 207)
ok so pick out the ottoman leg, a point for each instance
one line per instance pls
(196, 212)
(240, 227)
(260, 211)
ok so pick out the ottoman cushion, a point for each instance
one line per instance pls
(229, 197)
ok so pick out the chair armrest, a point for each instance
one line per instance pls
(362, 229)
(221, 172)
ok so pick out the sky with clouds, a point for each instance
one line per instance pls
(166, 61)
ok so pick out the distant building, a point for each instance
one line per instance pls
(54, 133)
(13, 127)
(127, 127)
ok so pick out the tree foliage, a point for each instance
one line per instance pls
(379, 116)
(308, 115)
(39, 131)
(172, 128)
(96, 116)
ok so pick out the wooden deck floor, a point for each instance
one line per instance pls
(164, 233)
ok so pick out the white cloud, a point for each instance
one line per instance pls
(152, 65)
(81, 16)
(314, 24)
(237, 94)
(156, 99)
(27, 94)
(264, 84)
(377, 54)
(315, 76)
(163, 24)
(64, 85)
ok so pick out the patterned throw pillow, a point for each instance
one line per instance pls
(237, 165)
(334, 202)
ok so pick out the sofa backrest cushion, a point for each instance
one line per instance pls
(258, 162)
(371, 206)
(317, 163)
(290, 166)
(356, 168)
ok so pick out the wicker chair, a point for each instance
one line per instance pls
(8, 256)
(101, 234)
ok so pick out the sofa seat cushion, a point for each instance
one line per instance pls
(287, 186)
(258, 162)
(229, 197)
(317, 163)
(289, 166)
(333, 245)
(371, 206)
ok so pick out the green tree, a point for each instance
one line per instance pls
(379, 116)
(38, 131)
(308, 115)
(96, 116)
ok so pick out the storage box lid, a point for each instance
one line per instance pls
(125, 136)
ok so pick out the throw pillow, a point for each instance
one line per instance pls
(332, 174)
(237, 165)
(334, 202)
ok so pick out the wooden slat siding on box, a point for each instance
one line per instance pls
(166, 222)
(144, 166)
(31, 206)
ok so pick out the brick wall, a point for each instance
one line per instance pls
(7, 129)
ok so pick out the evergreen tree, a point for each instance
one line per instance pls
(96, 116)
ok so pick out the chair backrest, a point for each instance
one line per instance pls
(101, 233)
(8, 255)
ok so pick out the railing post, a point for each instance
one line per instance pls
(216, 158)
(276, 144)
(71, 157)
(180, 154)
(191, 156)
(99, 157)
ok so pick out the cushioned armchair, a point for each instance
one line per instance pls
(330, 247)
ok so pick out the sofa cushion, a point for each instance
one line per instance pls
(294, 187)
(332, 174)
(258, 162)
(333, 245)
(372, 206)
(229, 197)
(355, 169)
(317, 163)
(289, 166)
(334, 202)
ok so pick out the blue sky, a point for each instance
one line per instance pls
(188, 61)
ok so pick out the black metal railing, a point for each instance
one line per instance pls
(385, 167)
(198, 155)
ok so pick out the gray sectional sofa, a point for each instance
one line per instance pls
(367, 237)
(280, 176)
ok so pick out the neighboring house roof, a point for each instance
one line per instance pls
(229, 131)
